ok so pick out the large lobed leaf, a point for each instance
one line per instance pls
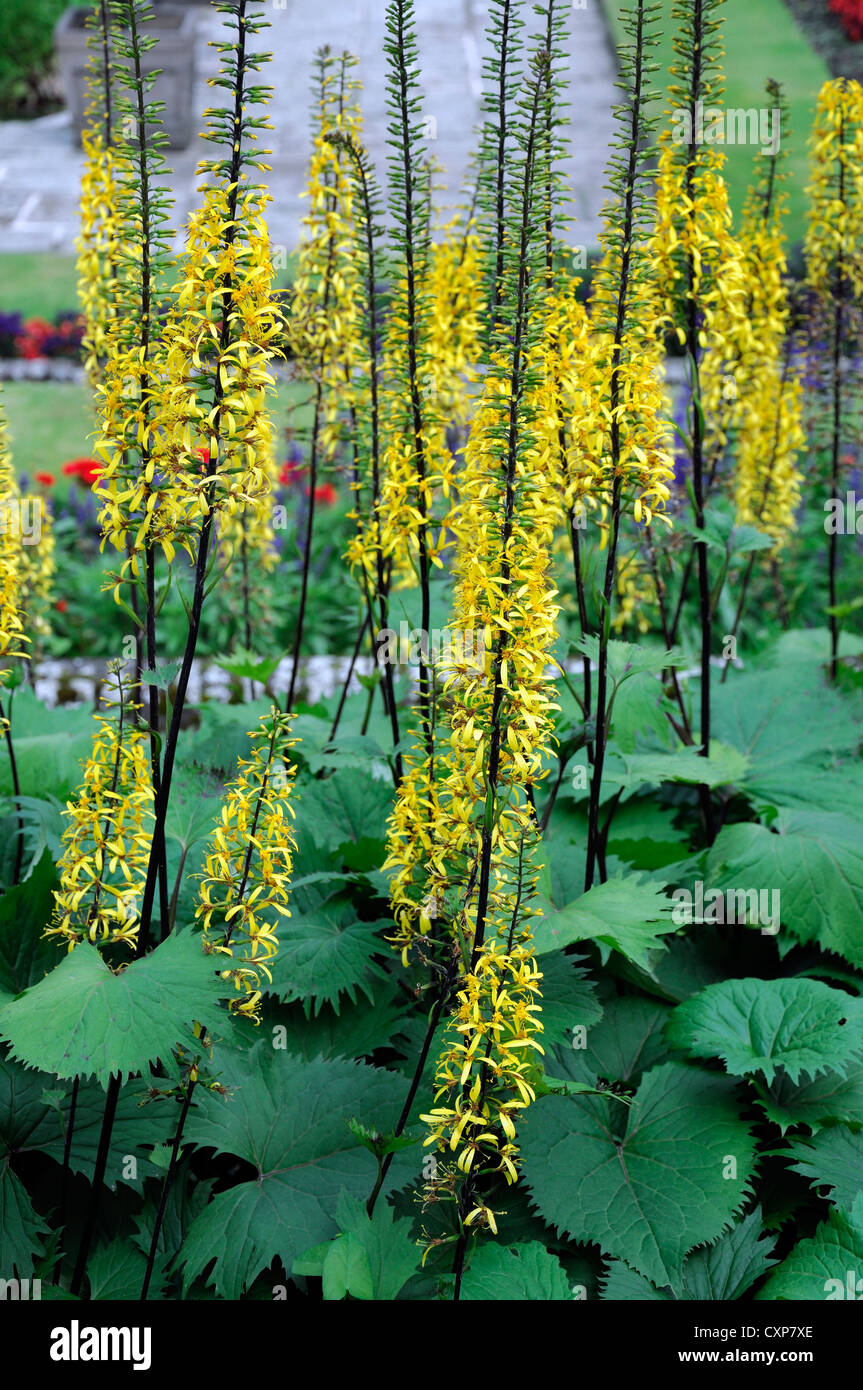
(759, 1025)
(289, 1119)
(674, 1177)
(623, 914)
(720, 1272)
(83, 1020)
(815, 860)
(819, 1267)
(833, 1160)
(524, 1273)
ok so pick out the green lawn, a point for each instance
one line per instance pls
(40, 284)
(50, 422)
(37, 284)
(761, 40)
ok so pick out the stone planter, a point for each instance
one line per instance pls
(174, 25)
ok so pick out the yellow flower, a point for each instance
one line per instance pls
(834, 231)
(25, 568)
(106, 843)
(495, 721)
(245, 885)
(767, 481)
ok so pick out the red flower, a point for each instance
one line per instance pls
(326, 493)
(88, 470)
(45, 479)
(291, 472)
(850, 13)
(61, 605)
(31, 341)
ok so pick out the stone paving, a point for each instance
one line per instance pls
(40, 162)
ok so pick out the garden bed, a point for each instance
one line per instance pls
(823, 28)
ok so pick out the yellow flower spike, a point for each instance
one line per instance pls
(834, 228)
(114, 807)
(239, 884)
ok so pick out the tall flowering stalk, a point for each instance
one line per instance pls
(463, 883)
(500, 722)
(106, 843)
(325, 308)
(744, 346)
(136, 515)
(417, 467)
(366, 553)
(215, 429)
(97, 243)
(768, 409)
(502, 80)
(245, 884)
(834, 262)
(627, 446)
(410, 471)
(26, 575)
(14, 641)
(210, 396)
(244, 892)
(699, 268)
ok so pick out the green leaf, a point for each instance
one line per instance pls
(223, 735)
(759, 1025)
(327, 953)
(35, 1119)
(374, 1257)
(163, 677)
(357, 1030)
(790, 727)
(48, 764)
(627, 1042)
(83, 1020)
(22, 1227)
(811, 644)
(346, 1270)
(833, 1160)
(720, 1272)
(727, 1269)
(25, 910)
(525, 1273)
(623, 1285)
(691, 962)
(623, 914)
(657, 1192)
(289, 1119)
(643, 834)
(633, 770)
(192, 813)
(568, 999)
(814, 1101)
(814, 859)
(116, 1271)
(343, 808)
(714, 533)
(818, 1267)
(43, 833)
(245, 664)
(744, 539)
(629, 659)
